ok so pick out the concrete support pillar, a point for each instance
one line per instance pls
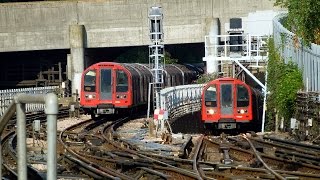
(213, 41)
(76, 38)
(69, 67)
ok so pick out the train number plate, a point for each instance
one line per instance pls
(227, 125)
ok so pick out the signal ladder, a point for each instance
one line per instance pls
(156, 55)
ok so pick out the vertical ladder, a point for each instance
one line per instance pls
(156, 53)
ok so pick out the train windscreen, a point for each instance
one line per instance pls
(90, 81)
(210, 96)
(242, 96)
(105, 84)
(226, 97)
(122, 81)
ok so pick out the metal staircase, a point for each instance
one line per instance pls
(249, 50)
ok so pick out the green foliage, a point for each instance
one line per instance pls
(284, 80)
(303, 19)
(204, 78)
(134, 55)
(168, 59)
(141, 55)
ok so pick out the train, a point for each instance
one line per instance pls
(117, 88)
(229, 103)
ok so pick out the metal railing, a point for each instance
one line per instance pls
(173, 97)
(6, 97)
(246, 48)
(291, 49)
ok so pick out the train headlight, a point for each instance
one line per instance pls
(242, 111)
(210, 111)
(90, 96)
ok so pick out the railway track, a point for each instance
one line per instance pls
(97, 149)
(115, 157)
(244, 152)
(300, 152)
(36, 148)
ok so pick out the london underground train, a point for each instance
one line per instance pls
(229, 103)
(113, 88)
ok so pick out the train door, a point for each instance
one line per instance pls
(226, 99)
(106, 84)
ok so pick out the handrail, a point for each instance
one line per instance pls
(51, 110)
(173, 97)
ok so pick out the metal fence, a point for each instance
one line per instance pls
(173, 97)
(307, 58)
(6, 97)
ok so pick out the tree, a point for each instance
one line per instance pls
(303, 19)
(135, 55)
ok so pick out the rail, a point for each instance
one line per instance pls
(307, 59)
(7, 96)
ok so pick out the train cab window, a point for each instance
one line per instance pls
(242, 96)
(226, 95)
(90, 81)
(210, 96)
(106, 80)
(122, 81)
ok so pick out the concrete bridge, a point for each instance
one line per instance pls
(77, 25)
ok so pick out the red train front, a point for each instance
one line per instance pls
(119, 88)
(229, 103)
(105, 86)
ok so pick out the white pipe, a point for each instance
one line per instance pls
(264, 103)
(250, 74)
(51, 111)
(21, 142)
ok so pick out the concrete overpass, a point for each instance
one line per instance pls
(77, 25)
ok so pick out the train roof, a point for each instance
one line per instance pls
(170, 68)
(226, 79)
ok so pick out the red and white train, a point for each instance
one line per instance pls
(229, 103)
(112, 88)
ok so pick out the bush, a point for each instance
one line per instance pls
(205, 78)
(284, 80)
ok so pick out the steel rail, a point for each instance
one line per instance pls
(108, 131)
(196, 156)
(90, 168)
(5, 140)
(307, 146)
(98, 169)
(260, 159)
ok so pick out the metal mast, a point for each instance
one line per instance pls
(156, 52)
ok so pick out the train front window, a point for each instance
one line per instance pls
(105, 84)
(122, 81)
(90, 81)
(242, 96)
(226, 96)
(210, 96)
